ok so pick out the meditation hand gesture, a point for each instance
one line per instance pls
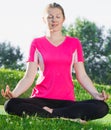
(7, 93)
(101, 96)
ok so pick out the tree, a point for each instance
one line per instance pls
(95, 47)
(10, 56)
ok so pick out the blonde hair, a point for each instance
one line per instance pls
(55, 5)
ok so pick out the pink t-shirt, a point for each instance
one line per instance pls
(55, 67)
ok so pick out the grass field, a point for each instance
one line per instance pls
(8, 122)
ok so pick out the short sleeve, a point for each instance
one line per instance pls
(80, 52)
(33, 55)
(78, 55)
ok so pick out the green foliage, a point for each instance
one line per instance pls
(96, 47)
(10, 57)
(11, 78)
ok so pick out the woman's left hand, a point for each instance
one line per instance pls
(101, 96)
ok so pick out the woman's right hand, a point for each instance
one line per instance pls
(7, 93)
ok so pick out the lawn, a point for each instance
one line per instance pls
(8, 122)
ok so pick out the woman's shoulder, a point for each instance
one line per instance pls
(37, 40)
(72, 38)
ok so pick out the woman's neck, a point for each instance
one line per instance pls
(55, 38)
(54, 35)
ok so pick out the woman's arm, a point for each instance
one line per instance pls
(86, 82)
(24, 83)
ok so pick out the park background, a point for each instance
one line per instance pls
(21, 21)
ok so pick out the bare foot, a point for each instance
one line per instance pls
(48, 109)
(75, 120)
(82, 121)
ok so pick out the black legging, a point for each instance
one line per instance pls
(87, 110)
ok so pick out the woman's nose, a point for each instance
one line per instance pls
(54, 19)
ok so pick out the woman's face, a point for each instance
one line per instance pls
(54, 19)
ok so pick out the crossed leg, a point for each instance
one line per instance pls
(85, 110)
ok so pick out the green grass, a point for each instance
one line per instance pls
(2, 112)
(9, 122)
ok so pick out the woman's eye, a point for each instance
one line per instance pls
(58, 16)
(49, 17)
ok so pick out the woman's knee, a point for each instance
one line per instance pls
(9, 105)
(103, 108)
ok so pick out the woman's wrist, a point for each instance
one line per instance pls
(14, 95)
(95, 95)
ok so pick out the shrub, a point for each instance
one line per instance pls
(11, 78)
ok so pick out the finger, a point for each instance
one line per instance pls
(7, 90)
(104, 95)
(2, 92)
(6, 94)
(10, 94)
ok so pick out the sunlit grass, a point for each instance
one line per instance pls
(8, 122)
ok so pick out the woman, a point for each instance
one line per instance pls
(53, 96)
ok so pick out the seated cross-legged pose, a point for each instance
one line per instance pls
(53, 96)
